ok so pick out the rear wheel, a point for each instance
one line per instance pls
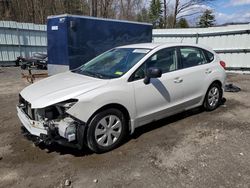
(106, 130)
(213, 97)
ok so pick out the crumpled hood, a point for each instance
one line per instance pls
(59, 88)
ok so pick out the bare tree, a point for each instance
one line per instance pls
(105, 7)
(36, 11)
(5, 9)
(94, 8)
(129, 9)
(184, 8)
(165, 5)
(125, 9)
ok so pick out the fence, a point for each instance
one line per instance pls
(21, 39)
(232, 42)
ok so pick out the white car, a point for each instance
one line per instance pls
(100, 102)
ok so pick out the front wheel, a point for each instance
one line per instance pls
(106, 130)
(213, 97)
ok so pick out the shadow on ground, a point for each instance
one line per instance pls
(85, 151)
(165, 122)
(62, 150)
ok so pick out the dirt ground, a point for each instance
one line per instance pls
(191, 149)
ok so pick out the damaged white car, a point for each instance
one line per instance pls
(100, 102)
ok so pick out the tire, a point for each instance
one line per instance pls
(24, 66)
(213, 97)
(106, 130)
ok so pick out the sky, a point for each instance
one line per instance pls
(231, 10)
(226, 11)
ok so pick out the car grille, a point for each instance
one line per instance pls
(26, 106)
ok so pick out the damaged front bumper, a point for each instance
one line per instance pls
(65, 131)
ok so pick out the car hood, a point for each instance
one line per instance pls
(59, 88)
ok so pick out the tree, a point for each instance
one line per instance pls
(94, 8)
(105, 8)
(5, 9)
(184, 8)
(155, 13)
(36, 11)
(207, 19)
(125, 10)
(182, 23)
(143, 15)
(169, 23)
(165, 5)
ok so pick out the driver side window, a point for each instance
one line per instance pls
(165, 59)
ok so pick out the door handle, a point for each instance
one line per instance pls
(178, 80)
(208, 71)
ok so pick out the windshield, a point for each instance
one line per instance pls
(112, 64)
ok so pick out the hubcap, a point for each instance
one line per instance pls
(213, 96)
(108, 130)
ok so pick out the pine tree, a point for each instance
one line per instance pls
(182, 23)
(155, 13)
(207, 19)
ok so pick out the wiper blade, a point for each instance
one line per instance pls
(98, 75)
(92, 74)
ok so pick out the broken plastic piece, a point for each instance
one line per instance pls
(231, 88)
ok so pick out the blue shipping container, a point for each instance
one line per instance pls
(74, 40)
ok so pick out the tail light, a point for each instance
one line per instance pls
(223, 64)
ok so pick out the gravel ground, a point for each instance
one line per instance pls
(191, 149)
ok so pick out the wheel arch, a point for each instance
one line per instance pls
(116, 106)
(213, 82)
(216, 82)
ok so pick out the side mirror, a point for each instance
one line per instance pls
(152, 73)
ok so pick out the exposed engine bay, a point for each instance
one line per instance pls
(60, 126)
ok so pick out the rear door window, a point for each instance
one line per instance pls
(191, 56)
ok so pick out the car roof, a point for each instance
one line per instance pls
(155, 45)
(142, 45)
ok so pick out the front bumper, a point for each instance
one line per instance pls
(40, 132)
(34, 127)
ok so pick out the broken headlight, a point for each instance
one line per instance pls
(53, 112)
(67, 104)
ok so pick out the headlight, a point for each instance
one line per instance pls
(54, 111)
(67, 104)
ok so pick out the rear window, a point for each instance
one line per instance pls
(210, 56)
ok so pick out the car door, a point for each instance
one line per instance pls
(194, 73)
(161, 97)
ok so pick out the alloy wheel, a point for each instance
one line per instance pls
(213, 96)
